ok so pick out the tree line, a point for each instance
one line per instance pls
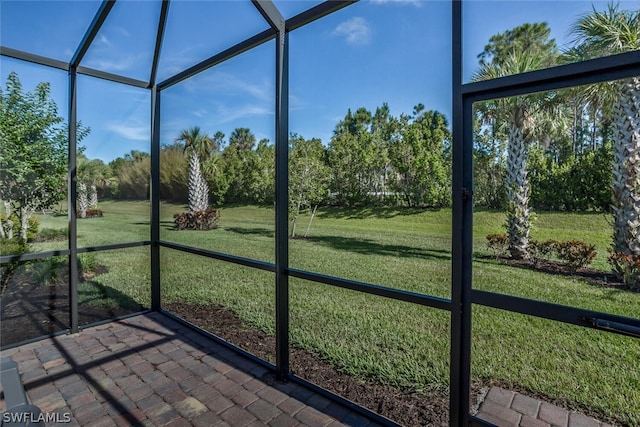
(573, 149)
(372, 159)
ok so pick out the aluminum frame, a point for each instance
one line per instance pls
(463, 296)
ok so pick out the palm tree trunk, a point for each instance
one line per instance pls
(518, 214)
(626, 168)
(198, 188)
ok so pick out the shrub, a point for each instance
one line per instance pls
(89, 213)
(627, 267)
(200, 220)
(575, 253)
(498, 243)
(87, 263)
(52, 234)
(32, 229)
(50, 270)
(542, 250)
(10, 247)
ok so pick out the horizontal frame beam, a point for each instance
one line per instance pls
(61, 65)
(114, 246)
(623, 65)
(33, 256)
(367, 288)
(247, 262)
(34, 59)
(112, 77)
(316, 12)
(545, 310)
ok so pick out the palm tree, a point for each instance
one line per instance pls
(199, 146)
(517, 113)
(606, 33)
(243, 139)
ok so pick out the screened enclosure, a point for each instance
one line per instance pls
(436, 316)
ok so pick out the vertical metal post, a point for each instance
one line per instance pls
(72, 187)
(282, 202)
(460, 376)
(155, 199)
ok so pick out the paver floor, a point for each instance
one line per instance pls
(508, 408)
(151, 370)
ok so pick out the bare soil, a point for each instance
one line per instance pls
(30, 310)
(403, 406)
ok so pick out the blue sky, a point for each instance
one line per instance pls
(375, 51)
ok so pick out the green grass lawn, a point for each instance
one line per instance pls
(393, 342)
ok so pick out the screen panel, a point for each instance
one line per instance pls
(370, 146)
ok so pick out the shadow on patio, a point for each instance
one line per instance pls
(150, 369)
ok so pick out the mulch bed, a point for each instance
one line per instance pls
(29, 310)
(400, 405)
(589, 275)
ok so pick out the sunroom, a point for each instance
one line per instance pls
(276, 212)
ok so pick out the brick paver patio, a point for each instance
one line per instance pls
(507, 408)
(151, 370)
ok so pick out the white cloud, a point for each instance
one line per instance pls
(226, 83)
(356, 31)
(225, 115)
(102, 40)
(122, 63)
(416, 3)
(131, 132)
(123, 31)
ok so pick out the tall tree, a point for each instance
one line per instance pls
(243, 139)
(239, 162)
(518, 112)
(263, 174)
(603, 33)
(198, 145)
(521, 49)
(419, 158)
(355, 158)
(308, 177)
(532, 38)
(33, 151)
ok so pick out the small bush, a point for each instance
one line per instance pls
(90, 213)
(87, 265)
(542, 250)
(498, 243)
(575, 253)
(200, 220)
(52, 235)
(627, 267)
(10, 247)
(50, 270)
(32, 229)
(87, 262)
